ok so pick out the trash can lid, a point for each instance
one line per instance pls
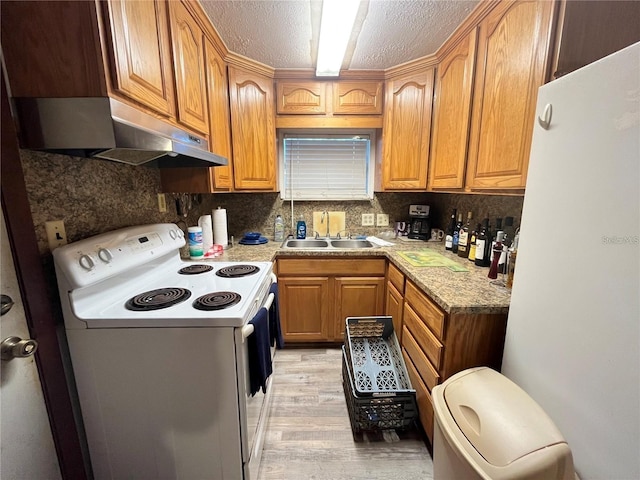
(500, 420)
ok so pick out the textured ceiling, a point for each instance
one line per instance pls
(284, 33)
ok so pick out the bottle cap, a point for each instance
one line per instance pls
(500, 236)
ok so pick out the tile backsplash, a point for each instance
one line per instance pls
(95, 196)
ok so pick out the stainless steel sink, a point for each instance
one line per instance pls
(351, 243)
(327, 244)
(306, 243)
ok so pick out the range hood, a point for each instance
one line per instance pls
(102, 127)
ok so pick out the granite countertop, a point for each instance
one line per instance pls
(468, 292)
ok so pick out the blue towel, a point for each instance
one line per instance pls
(275, 332)
(259, 352)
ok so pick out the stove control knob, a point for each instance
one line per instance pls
(173, 234)
(180, 233)
(86, 262)
(105, 255)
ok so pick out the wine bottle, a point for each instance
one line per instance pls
(448, 240)
(456, 234)
(497, 252)
(498, 229)
(473, 239)
(463, 239)
(482, 244)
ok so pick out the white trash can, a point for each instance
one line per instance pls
(487, 427)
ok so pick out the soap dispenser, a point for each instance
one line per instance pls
(301, 228)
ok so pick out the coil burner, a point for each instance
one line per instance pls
(195, 269)
(157, 299)
(216, 300)
(237, 271)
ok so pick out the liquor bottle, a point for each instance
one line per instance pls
(497, 252)
(511, 264)
(456, 233)
(483, 242)
(448, 240)
(498, 229)
(473, 239)
(463, 238)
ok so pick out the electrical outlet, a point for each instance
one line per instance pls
(162, 203)
(382, 220)
(56, 234)
(367, 219)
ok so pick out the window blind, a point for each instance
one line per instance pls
(329, 167)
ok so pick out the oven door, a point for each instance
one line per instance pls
(254, 410)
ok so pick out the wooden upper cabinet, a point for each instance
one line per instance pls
(142, 53)
(513, 45)
(452, 116)
(407, 127)
(188, 61)
(301, 97)
(253, 127)
(219, 120)
(357, 98)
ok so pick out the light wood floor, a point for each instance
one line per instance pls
(308, 433)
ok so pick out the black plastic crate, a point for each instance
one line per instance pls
(374, 377)
(374, 358)
(376, 413)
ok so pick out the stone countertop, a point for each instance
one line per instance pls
(468, 292)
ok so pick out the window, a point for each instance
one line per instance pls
(326, 166)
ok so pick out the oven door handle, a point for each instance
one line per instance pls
(248, 329)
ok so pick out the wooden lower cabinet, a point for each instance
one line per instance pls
(316, 295)
(303, 313)
(437, 345)
(394, 301)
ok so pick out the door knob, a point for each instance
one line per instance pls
(6, 302)
(12, 347)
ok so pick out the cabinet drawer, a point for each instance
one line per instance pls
(428, 374)
(323, 266)
(423, 336)
(396, 277)
(426, 309)
(423, 397)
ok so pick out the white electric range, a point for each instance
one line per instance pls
(159, 357)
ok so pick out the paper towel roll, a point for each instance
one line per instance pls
(206, 224)
(220, 227)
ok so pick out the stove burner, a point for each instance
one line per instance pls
(237, 271)
(195, 269)
(216, 300)
(157, 299)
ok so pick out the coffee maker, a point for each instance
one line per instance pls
(419, 222)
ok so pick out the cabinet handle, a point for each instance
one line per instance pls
(545, 120)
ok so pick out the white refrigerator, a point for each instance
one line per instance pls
(573, 336)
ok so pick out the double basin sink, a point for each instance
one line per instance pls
(326, 243)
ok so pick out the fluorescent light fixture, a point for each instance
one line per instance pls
(335, 30)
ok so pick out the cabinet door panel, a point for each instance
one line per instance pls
(301, 97)
(219, 120)
(512, 55)
(357, 297)
(423, 397)
(357, 98)
(142, 54)
(452, 115)
(393, 307)
(407, 127)
(304, 308)
(252, 124)
(188, 61)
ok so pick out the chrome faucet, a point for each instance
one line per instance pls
(322, 221)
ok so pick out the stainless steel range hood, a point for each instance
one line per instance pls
(105, 128)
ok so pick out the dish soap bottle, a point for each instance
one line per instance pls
(278, 234)
(301, 228)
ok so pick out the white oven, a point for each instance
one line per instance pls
(159, 354)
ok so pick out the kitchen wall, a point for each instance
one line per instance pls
(95, 196)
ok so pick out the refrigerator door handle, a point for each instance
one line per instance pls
(545, 120)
